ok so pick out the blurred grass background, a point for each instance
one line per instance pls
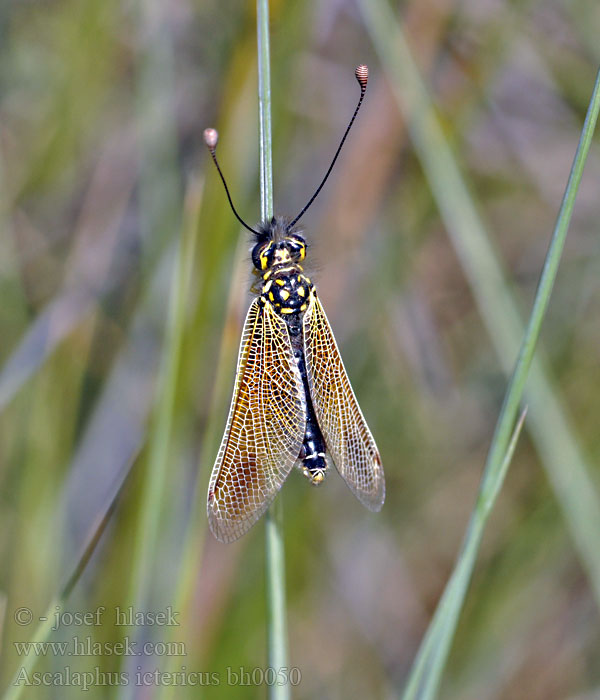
(108, 199)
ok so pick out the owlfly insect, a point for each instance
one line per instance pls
(292, 402)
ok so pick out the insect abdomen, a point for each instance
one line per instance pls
(313, 448)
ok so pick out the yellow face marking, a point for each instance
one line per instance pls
(263, 256)
(301, 291)
(303, 252)
(303, 307)
(287, 310)
(280, 282)
(318, 478)
(271, 297)
(285, 295)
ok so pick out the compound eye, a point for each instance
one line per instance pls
(262, 255)
(297, 248)
(266, 255)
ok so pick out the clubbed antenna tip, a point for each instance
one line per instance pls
(211, 137)
(362, 75)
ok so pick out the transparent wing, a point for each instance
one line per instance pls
(344, 428)
(265, 428)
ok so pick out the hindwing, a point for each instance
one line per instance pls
(347, 436)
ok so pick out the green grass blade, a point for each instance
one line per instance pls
(16, 687)
(57, 605)
(430, 661)
(276, 605)
(162, 423)
(275, 552)
(264, 110)
(191, 564)
(548, 424)
(160, 214)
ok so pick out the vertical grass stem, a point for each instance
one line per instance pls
(274, 552)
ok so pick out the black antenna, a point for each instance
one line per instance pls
(211, 138)
(362, 75)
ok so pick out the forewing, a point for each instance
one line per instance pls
(344, 428)
(265, 428)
